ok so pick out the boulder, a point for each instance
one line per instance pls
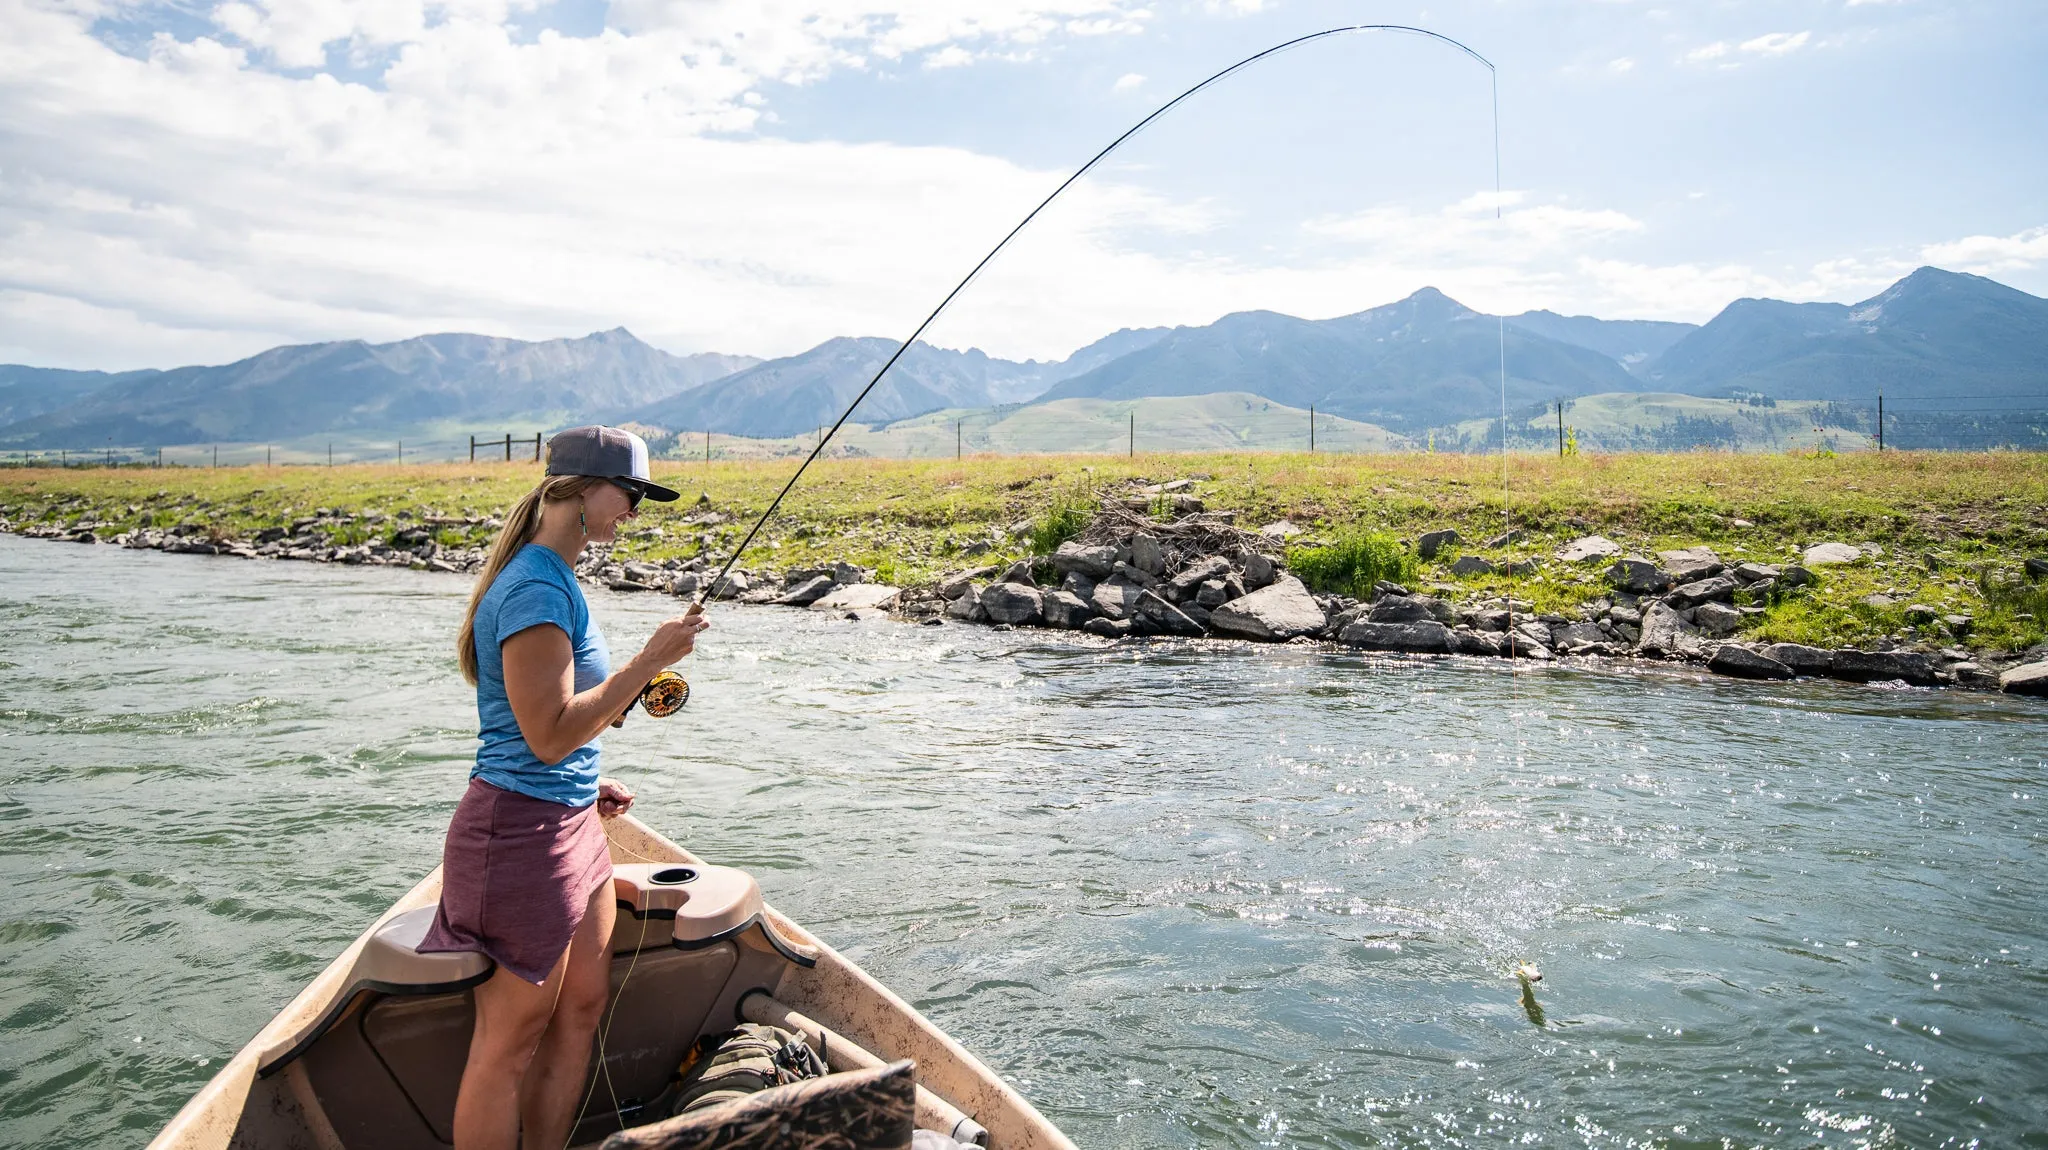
(1665, 633)
(1822, 554)
(1574, 638)
(1689, 564)
(1587, 548)
(682, 586)
(1717, 619)
(1012, 603)
(1272, 613)
(1020, 574)
(1434, 541)
(1065, 609)
(2036, 568)
(966, 606)
(1116, 597)
(1883, 666)
(1166, 616)
(732, 586)
(1802, 659)
(958, 584)
(1281, 530)
(1259, 570)
(1146, 555)
(1637, 576)
(1078, 584)
(2030, 679)
(1428, 637)
(859, 597)
(1743, 663)
(1198, 573)
(1754, 572)
(803, 594)
(1107, 628)
(1469, 642)
(1718, 587)
(1410, 609)
(1213, 593)
(1472, 565)
(1093, 562)
(1796, 576)
(1504, 538)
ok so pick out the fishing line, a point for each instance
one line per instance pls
(697, 603)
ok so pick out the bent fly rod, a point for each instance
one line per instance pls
(669, 692)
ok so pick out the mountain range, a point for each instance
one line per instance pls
(1418, 364)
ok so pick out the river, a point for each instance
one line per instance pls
(1180, 894)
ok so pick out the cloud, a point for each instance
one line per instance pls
(1621, 64)
(1127, 82)
(950, 56)
(1706, 52)
(1986, 255)
(1776, 43)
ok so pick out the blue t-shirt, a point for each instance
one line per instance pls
(535, 588)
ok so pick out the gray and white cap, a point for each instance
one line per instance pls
(606, 453)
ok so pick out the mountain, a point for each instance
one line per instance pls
(1629, 342)
(1933, 335)
(796, 394)
(353, 385)
(26, 392)
(1420, 362)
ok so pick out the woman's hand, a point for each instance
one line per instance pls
(674, 639)
(613, 799)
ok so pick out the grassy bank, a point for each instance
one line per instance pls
(1954, 529)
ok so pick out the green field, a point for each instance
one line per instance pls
(1954, 528)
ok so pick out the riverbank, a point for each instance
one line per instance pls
(1918, 560)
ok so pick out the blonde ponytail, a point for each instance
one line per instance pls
(520, 524)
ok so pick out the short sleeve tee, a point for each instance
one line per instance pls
(535, 589)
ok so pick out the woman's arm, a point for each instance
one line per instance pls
(540, 683)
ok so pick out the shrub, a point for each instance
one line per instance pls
(1352, 564)
(1066, 518)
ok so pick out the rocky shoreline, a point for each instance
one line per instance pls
(1199, 575)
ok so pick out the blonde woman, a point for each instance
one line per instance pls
(525, 871)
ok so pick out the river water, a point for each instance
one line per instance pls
(1182, 895)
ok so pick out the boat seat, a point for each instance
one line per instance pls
(391, 961)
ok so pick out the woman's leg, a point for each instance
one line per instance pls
(555, 1080)
(511, 1016)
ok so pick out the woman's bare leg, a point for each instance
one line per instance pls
(511, 1016)
(555, 1080)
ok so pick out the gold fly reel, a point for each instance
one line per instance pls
(665, 694)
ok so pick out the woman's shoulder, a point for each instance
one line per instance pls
(535, 571)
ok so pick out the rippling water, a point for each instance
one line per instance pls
(1207, 895)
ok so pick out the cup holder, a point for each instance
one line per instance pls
(673, 876)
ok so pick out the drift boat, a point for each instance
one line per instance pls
(370, 1053)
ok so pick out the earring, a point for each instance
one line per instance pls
(582, 524)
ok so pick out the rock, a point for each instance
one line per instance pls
(1425, 637)
(1921, 613)
(1472, 565)
(1493, 619)
(447, 568)
(1822, 554)
(2036, 567)
(1411, 609)
(1012, 603)
(802, 595)
(859, 597)
(1796, 576)
(1065, 609)
(1717, 619)
(1637, 576)
(1520, 567)
(1168, 617)
(1743, 663)
(955, 585)
(1273, 613)
(1259, 570)
(732, 586)
(1213, 593)
(1883, 666)
(1281, 530)
(1588, 547)
(1093, 562)
(1572, 635)
(1690, 564)
(1146, 556)
(1958, 625)
(1504, 538)
(967, 606)
(1665, 633)
(1384, 587)
(1469, 642)
(1130, 574)
(1116, 597)
(2031, 679)
(1187, 505)
(1107, 628)
(1198, 573)
(1717, 588)
(1755, 572)
(1879, 600)
(1802, 659)
(1019, 573)
(1435, 541)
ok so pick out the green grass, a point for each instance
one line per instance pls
(1351, 564)
(1954, 527)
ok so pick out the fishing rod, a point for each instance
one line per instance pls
(673, 691)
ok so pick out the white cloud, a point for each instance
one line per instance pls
(1776, 43)
(1621, 64)
(950, 56)
(1986, 255)
(1127, 82)
(1706, 52)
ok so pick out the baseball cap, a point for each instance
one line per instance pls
(606, 453)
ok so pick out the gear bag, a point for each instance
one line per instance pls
(745, 1060)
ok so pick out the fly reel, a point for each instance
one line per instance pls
(664, 694)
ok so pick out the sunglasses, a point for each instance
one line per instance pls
(633, 493)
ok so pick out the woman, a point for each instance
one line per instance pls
(525, 872)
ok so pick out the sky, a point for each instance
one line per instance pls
(196, 181)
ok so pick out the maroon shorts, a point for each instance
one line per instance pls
(516, 876)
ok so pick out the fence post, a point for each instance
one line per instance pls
(707, 446)
(508, 447)
(536, 447)
(1560, 429)
(959, 439)
(216, 455)
(1134, 433)
(1880, 420)
(1311, 428)
(401, 451)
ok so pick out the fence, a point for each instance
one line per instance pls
(474, 443)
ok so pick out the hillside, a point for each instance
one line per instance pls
(1632, 343)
